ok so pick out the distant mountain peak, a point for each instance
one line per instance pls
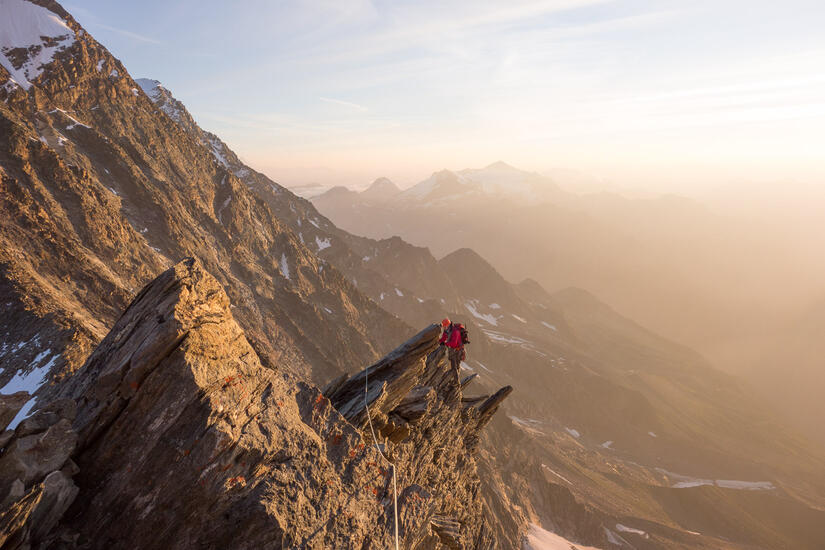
(468, 260)
(501, 165)
(382, 182)
(381, 189)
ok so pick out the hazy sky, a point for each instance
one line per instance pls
(652, 93)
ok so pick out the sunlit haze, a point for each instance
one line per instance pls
(517, 274)
(669, 96)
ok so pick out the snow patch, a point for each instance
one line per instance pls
(223, 206)
(494, 306)
(472, 307)
(161, 97)
(284, 266)
(218, 150)
(399, 292)
(29, 382)
(74, 123)
(517, 318)
(626, 529)
(504, 338)
(551, 327)
(686, 482)
(745, 485)
(612, 538)
(100, 64)
(149, 86)
(608, 444)
(573, 432)
(322, 244)
(651, 434)
(22, 414)
(114, 73)
(555, 473)
(36, 29)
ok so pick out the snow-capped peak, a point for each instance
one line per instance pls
(30, 36)
(163, 98)
(150, 87)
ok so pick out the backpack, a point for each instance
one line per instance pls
(465, 335)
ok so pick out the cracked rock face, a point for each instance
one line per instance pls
(183, 438)
(36, 470)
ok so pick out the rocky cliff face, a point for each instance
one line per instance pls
(176, 434)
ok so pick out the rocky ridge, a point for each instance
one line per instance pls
(228, 450)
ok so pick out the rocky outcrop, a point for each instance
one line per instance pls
(412, 401)
(176, 426)
(36, 470)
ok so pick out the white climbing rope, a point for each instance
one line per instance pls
(387, 460)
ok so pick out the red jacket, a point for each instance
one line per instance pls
(451, 337)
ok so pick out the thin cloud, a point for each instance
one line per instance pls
(129, 34)
(345, 103)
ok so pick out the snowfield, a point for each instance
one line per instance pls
(29, 382)
(626, 529)
(284, 266)
(680, 481)
(26, 25)
(504, 338)
(472, 307)
(322, 243)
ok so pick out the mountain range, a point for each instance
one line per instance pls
(184, 347)
(735, 281)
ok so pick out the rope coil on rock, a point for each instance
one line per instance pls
(387, 460)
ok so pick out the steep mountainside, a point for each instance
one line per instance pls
(401, 278)
(101, 189)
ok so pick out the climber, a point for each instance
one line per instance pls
(455, 336)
